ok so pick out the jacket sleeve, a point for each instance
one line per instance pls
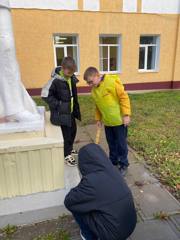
(123, 98)
(51, 100)
(97, 114)
(81, 198)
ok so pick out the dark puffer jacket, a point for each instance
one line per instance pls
(57, 95)
(102, 196)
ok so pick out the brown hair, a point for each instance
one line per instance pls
(69, 63)
(89, 72)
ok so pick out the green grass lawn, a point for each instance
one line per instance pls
(154, 132)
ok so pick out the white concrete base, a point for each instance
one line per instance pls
(19, 127)
(31, 164)
(40, 206)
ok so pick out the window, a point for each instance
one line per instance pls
(109, 54)
(65, 46)
(149, 53)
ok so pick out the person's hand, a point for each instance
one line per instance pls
(99, 124)
(126, 120)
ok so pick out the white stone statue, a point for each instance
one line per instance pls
(15, 103)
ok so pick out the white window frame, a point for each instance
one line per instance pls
(146, 46)
(111, 45)
(64, 46)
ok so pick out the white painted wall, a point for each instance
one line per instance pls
(91, 5)
(161, 6)
(148, 6)
(129, 5)
(45, 4)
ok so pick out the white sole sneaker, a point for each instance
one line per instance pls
(70, 161)
(74, 152)
(83, 238)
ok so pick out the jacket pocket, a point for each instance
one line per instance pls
(60, 119)
(64, 108)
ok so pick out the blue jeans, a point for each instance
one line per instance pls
(117, 141)
(86, 232)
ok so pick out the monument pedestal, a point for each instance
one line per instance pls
(32, 176)
(31, 164)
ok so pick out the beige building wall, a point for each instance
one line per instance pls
(34, 30)
(176, 78)
(139, 5)
(80, 4)
(111, 6)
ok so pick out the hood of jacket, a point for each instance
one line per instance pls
(92, 159)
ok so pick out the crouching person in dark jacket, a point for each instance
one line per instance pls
(60, 93)
(102, 203)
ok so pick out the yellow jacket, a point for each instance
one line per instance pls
(112, 101)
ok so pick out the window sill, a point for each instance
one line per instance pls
(116, 72)
(148, 71)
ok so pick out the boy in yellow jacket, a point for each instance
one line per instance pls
(113, 110)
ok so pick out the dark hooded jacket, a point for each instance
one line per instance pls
(102, 196)
(57, 95)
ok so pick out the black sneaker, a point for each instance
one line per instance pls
(123, 170)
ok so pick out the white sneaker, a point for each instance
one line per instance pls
(74, 152)
(70, 161)
(83, 238)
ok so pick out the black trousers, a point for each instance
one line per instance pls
(117, 141)
(69, 134)
(85, 230)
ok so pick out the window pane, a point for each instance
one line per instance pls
(151, 61)
(113, 58)
(103, 65)
(108, 40)
(65, 39)
(103, 52)
(147, 40)
(72, 52)
(103, 58)
(141, 57)
(59, 55)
